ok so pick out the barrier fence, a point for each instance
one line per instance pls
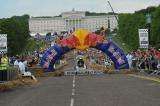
(71, 73)
(11, 73)
(149, 67)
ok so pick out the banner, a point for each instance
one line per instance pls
(81, 41)
(3, 43)
(143, 38)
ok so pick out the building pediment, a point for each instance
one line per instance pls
(72, 14)
(73, 17)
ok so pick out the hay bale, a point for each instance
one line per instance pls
(7, 86)
(10, 85)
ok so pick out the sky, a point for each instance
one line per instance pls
(10, 8)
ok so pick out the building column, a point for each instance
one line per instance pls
(75, 24)
(79, 23)
(70, 24)
(73, 27)
(66, 24)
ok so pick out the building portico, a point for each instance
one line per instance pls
(71, 21)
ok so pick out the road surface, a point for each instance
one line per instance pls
(103, 90)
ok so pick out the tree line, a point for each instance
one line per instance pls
(17, 30)
(130, 23)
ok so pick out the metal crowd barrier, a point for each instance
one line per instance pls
(148, 68)
(71, 73)
(12, 73)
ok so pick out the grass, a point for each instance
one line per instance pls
(119, 42)
(10, 85)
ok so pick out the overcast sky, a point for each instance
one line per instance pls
(9, 8)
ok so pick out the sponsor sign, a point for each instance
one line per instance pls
(143, 38)
(3, 43)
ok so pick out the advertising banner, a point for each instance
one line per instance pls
(3, 43)
(143, 38)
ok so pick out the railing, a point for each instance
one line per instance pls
(12, 73)
(148, 67)
(87, 72)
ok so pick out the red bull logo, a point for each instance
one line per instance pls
(82, 40)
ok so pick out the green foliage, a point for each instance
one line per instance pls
(148, 10)
(125, 47)
(17, 31)
(130, 23)
(98, 14)
(33, 45)
(128, 28)
(155, 34)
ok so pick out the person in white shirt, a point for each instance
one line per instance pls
(16, 62)
(129, 58)
(21, 67)
(25, 62)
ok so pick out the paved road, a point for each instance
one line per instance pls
(105, 90)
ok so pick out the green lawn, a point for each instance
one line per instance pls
(119, 42)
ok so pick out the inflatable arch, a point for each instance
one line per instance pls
(82, 40)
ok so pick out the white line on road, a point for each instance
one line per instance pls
(72, 102)
(73, 91)
(74, 85)
(74, 77)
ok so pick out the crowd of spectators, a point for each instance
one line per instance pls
(98, 57)
(145, 60)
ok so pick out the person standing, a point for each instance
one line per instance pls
(129, 58)
(21, 66)
(3, 67)
(16, 61)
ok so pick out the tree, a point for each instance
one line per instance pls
(130, 23)
(17, 32)
(128, 28)
(155, 31)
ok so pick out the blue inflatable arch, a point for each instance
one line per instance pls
(110, 49)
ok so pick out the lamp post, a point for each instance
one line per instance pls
(148, 21)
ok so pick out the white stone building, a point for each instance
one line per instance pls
(70, 21)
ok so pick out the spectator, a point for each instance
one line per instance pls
(3, 67)
(16, 63)
(12, 60)
(25, 62)
(21, 66)
(129, 58)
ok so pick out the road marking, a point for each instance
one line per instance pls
(73, 91)
(145, 77)
(74, 85)
(72, 102)
(74, 77)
